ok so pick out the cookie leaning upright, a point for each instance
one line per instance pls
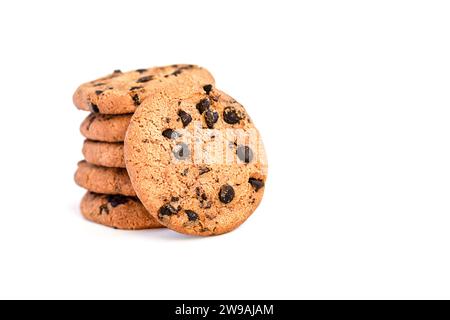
(196, 160)
(122, 93)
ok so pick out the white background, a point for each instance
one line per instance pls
(352, 99)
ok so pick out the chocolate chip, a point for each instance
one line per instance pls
(208, 88)
(167, 210)
(192, 216)
(98, 92)
(185, 118)
(99, 84)
(135, 96)
(104, 209)
(226, 194)
(245, 154)
(174, 199)
(117, 200)
(181, 69)
(176, 73)
(203, 198)
(117, 71)
(144, 79)
(181, 151)
(170, 134)
(91, 121)
(231, 116)
(204, 170)
(203, 105)
(94, 108)
(136, 100)
(211, 117)
(256, 183)
(141, 70)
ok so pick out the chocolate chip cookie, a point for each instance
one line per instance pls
(105, 128)
(196, 160)
(104, 180)
(104, 154)
(122, 93)
(117, 211)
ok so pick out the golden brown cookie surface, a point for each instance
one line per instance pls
(197, 162)
(122, 93)
(116, 211)
(104, 180)
(104, 154)
(105, 128)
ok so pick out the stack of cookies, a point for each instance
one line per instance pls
(165, 148)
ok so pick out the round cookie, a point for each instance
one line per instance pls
(104, 180)
(115, 211)
(105, 128)
(197, 163)
(121, 93)
(104, 154)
